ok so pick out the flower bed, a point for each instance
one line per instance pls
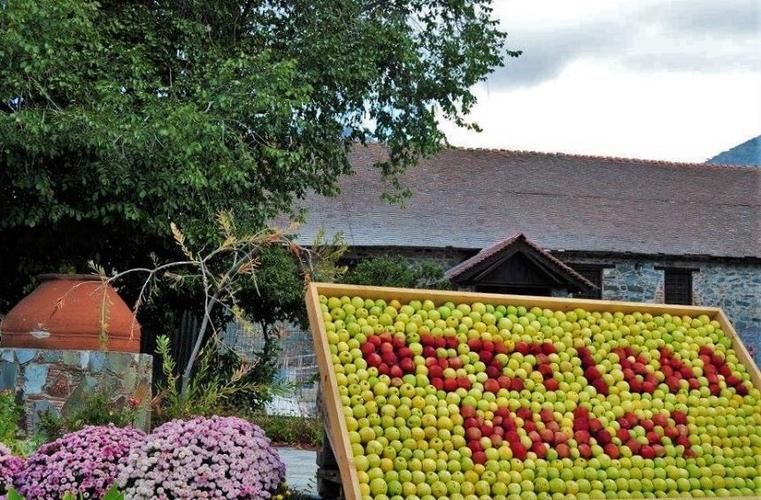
(203, 458)
(218, 457)
(85, 462)
(10, 466)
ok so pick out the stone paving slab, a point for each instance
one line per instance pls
(300, 469)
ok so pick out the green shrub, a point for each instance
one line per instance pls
(10, 413)
(290, 430)
(96, 410)
(213, 387)
(398, 272)
(112, 494)
(10, 433)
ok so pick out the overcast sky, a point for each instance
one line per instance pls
(660, 79)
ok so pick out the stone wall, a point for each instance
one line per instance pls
(60, 381)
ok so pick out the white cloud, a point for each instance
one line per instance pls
(612, 110)
(677, 80)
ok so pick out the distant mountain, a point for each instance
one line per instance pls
(747, 153)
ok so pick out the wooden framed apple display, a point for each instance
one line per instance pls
(468, 396)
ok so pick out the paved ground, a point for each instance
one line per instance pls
(300, 469)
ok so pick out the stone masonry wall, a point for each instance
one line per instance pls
(60, 381)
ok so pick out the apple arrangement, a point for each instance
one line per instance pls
(475, 401)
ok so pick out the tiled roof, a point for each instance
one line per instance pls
(502, 245)
(468, 198)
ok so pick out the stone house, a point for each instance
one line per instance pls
(560, 224)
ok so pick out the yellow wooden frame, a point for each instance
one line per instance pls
(336, 425)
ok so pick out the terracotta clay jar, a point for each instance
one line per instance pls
(68, 311)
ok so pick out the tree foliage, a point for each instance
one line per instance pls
(397, 272)
(117, 117)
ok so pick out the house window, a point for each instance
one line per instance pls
(593, 273)
(677, 286)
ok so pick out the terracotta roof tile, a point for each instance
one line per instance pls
(468, 198)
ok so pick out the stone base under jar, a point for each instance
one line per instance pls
(60, 381)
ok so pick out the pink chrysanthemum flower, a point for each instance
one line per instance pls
(218, 457)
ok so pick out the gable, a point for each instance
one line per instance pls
(516, 261)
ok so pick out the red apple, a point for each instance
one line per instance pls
(486, 356)
(581, 436)
(551, 384)
(407, 365)
(611, 450)
(563, 450)
(491, 385)
(487, 429)
(603, 437)
(473, 433)
(523, 412)
(519, 451)
(633, 445)
(540, 449)
(374, 359)
(547, 436)
(595, 425)
(367, 348)
(455, 363)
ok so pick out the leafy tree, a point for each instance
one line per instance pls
(397, 272)
(117, 117)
